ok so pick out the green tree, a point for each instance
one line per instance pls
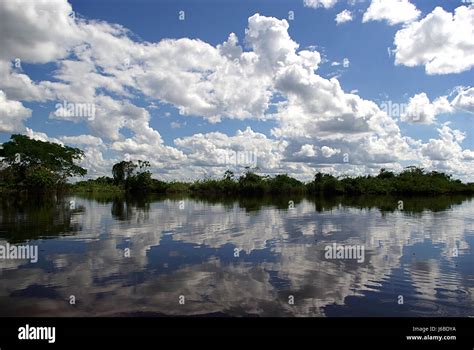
(122, 170)
(39, 164)
(384, 174)
(133, 176)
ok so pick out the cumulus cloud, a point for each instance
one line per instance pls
(468, 154)
(37, 31)
(316, 123)
(329, 152)
(464, 100)
(12, 114)
(319, 3)
(246, 148)
(306, 151)
(443, 42)
(343, 17)
(446, 153)
(83, 140)
(446, 147)
(318, 110)
(19, 86)
(421, 110)
(392, 11)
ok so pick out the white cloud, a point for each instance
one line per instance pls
(392, 11)
(83, 140)
(343, 17)
(41, 136)
(19, 86)
(306, 151)
(318, 110)
(12, 114)
(328, 152)
(443, 42)
(212, 82)
(319, 3)
(447, 147)
(421, 110)
(464, 100)
(95, 163)
(468, 154)
(315, 118)
(447, 155)
(216, 149)
(37, 31)
(146, 143)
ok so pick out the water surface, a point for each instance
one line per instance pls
(238, 257)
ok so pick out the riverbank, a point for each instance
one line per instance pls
(411, 181)
(408, 182)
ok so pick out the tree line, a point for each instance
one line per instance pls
(34, 165)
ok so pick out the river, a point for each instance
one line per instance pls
(153, 256)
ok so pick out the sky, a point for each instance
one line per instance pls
(345, 87)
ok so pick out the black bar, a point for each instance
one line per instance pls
(362, 331)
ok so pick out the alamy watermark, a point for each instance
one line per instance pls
(79, 110)
(19, 252)
(345, 252)
(37, 333)
(397, 110)
(238, 158)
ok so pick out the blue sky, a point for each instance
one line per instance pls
(371, 74)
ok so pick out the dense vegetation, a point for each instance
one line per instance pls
(37, 165)
(412, 180)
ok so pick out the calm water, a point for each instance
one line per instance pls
(242, 257)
